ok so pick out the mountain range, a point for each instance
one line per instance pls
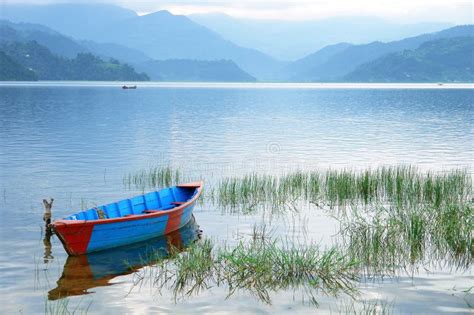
(197, 48)
(39, 39)
(437, 60)
(291, 40)
(160, 35)
(332, 63)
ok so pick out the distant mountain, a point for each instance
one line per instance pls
(81, 21)
(441, 60)
(162, 35)
(343, 62)
(174, 41)
(48, 66)
(300, 67)
(24, 32)
(290, 40)
(66, 46)
(10, 70)
(120, 52)
(195, 70)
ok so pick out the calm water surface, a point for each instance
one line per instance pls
(76, 142)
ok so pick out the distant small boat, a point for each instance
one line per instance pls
(128, 221)
(129, 87)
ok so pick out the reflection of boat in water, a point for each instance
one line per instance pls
(82, 273)
(129, 87)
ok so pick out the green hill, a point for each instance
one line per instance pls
(442, 60)
(335, 67)
(65, 46)
(85, 66)
(10, 70)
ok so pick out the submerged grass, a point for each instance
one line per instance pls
(391, 219)
(62, 307)
(364, 307)
(394, 238)
(259, 266)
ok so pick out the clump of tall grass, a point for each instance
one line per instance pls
(400, 185)
(259, 266)
(155, 177)
(394, 238)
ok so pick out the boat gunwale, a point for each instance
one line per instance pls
(133, 217)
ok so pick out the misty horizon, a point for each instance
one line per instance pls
(404, 12)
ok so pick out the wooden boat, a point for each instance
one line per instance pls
(85, 272)
(129, 87)
(128, 221)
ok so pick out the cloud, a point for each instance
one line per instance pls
(457, 11)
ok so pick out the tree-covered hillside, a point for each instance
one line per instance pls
(10, 70)
(85, 66)
(64, 46)
(340, 64)
(442, 60)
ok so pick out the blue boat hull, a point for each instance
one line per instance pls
(106, 236)
(128, 221)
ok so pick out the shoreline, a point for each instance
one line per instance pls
(238, 85)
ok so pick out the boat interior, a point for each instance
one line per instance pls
(152, 202)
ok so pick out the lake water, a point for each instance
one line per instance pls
(75, 142)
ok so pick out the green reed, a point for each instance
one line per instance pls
(391, 217)
(401, 185)
(155, 177)
(394, 238)
(259, 266)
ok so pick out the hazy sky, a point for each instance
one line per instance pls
(456, 11)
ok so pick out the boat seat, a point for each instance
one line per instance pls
(151, 211)
(173, 204)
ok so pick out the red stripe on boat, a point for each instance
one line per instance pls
(173, 221)
(75, 238)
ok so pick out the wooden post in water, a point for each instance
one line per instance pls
(47, 213)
